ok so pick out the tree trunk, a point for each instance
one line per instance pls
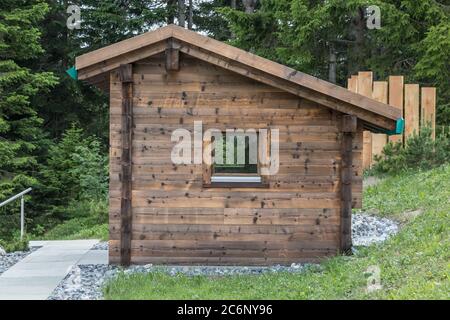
(332, 65)
(181, 13)
(249, 5)
(357, 49)
(190, 15)
(233, 4)
(171, 11)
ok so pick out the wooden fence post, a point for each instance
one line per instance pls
(428, 112)
(380, 93)
(126, 78)
(417, 109)
(396, 99)
(412, 101)
(352, 84)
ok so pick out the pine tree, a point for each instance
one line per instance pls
(21, 133)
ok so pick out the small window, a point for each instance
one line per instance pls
(235, 166)
(235, 161)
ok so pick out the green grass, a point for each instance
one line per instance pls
(78, 228)
(90, 222)
(415, 264)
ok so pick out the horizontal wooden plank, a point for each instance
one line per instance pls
(202, 232)
(232, 245)
(330, 157)
(325, 170)
(148, 145)
(230, 220)
(167, 129)
(191, 99)
(232, 261)
(189, 178)
(216, 111)
(214, 193)
(237, 203)
(273, 186)
(229, 253)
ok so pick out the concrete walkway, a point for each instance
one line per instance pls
(37, 275)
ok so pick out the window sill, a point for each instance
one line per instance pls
(236, 185)
(235, 178)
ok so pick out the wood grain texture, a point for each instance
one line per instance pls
(412, 102)
(177, 219)
(126, 79)
(396, 94)
(172, 55)
(352, 84)
(131, 50)
(380, 93)
(428, 109)
(346, 183)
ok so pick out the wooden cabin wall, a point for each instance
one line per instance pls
(177, 221)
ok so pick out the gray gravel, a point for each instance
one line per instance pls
(10, 259)
(367, 230)
(84, 282)
(103, 245)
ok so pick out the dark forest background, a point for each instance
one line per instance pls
(54, 130)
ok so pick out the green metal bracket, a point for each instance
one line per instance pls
(73, 73)
(398, 128)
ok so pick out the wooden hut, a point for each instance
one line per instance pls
(167, 213)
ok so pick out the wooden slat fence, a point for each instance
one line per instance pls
(418, 106)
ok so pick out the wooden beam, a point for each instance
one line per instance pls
(349, 124)
(126, 78)
(365, 88)
(114, 63)
(172, 55)
(122, 48)
(348, 129)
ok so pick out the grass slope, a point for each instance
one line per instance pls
(78, 228)
(90, 222)
(414, 264)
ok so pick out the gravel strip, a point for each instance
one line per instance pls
(103, 245)
(84, 282)
(10, 259)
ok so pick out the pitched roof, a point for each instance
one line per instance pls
(94, 67)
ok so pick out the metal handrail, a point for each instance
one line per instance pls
(22, 208)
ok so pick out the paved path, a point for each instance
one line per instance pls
(38, 274)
